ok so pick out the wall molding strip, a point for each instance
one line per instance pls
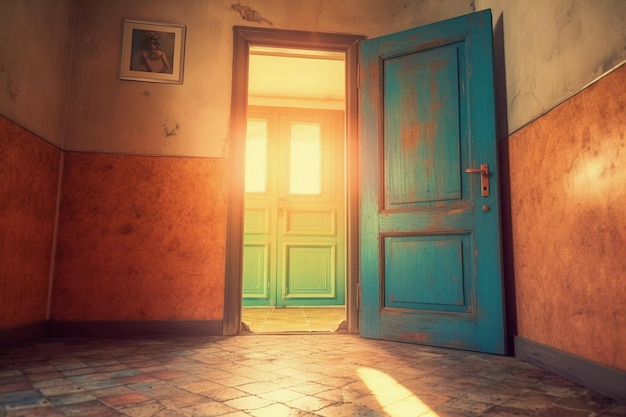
(595, 376)
(148, 328)
(22, 334)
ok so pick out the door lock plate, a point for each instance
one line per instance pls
(484, 178)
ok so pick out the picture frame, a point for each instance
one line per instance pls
(152, 52)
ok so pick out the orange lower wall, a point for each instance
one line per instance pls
(568, 204)
(29, 172)
(140, 238)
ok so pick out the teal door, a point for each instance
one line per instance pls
(430, 236)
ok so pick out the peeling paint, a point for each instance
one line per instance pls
(249, 14)
(418, 337)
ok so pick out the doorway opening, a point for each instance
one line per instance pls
(294, 204)
(292, 226)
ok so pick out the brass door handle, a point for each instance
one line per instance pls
(484, 177)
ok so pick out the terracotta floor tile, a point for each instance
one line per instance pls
(145, 409)
(272, 410)
(125, 399)
(61, 389)
(167, 375)
(204, 386)
(73, 398)
(208, 409)
(46, 411)
(15, 386)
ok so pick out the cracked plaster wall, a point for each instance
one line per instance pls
(553, 49)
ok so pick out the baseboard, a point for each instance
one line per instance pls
(149, 328)
(21, 334)
(595, 376)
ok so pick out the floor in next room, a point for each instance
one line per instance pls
(271, 375)
(295, 319)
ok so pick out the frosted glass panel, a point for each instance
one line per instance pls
(256, 156)
(305, 162)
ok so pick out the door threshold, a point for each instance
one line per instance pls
(290, 320)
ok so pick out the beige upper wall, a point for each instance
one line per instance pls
(110, 115)
(35, 54)
(554, 48)
(551, 50)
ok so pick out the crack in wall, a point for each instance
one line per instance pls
(249, 14)
(11, 86)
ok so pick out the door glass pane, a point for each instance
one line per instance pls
(305, 161)
(256, 156)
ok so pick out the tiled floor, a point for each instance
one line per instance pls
(305, 319)
(329, 375)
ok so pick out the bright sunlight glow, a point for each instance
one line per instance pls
(256, 156)
(395, 399)
(305, 163)
(594, 178)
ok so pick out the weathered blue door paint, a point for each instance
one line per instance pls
(430, 242)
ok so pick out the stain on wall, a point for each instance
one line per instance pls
(29, 172)
(140, 238)
(10, 87)
(568, 202)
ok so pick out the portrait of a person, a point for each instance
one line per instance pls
(152, 57)
(151, 50)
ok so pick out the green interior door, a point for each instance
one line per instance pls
(294, 230)
(430, 236)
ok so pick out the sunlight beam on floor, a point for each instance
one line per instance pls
(386, 388)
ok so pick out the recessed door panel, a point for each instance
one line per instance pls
(422, 127)
(311, 222)
(257, 220)
(429, 273)
(256, 270)
(309, 271)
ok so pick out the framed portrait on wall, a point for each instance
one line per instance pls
(152, 52)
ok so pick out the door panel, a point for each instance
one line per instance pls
(256, 270)
(309, 271)
(260, 211)
(416, 176)
(300, 217)
(430, 242)
(436, 270)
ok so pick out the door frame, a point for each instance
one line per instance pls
(244, 37)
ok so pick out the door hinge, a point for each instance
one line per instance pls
(358, 76)
(358, 296)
